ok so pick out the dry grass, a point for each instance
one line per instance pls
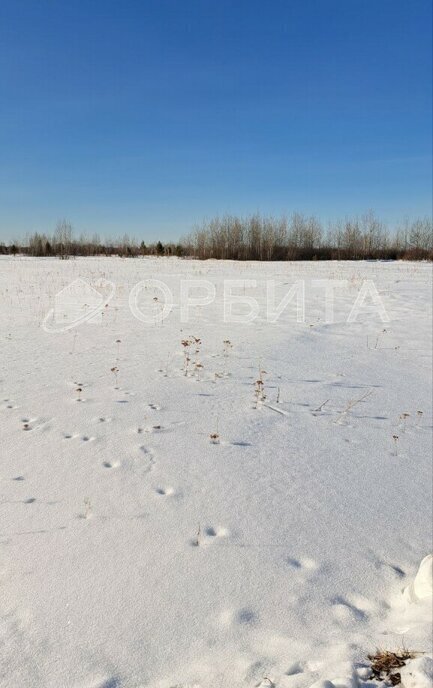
(384, 662)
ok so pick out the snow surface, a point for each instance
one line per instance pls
(135, 551)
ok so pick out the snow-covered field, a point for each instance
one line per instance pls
(136, 550)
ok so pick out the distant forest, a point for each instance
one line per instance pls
(253, 237)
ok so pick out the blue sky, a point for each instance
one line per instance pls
(144, 116)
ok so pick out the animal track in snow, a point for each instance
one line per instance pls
(396, 570)
(165, 491)
(83, 438)
(302, 563)
(9, 404)
(344, 610)
(212, 532)
(35, 423)
(207, 535)
(247, 617)
(153, 428)
(149, 455)
(257, 673)
(27, 423)
(159, 428)
(29, 500)
(111, 464)
(294, 669)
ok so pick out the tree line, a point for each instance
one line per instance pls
(303, 237)
(64, 244)
(253, 237)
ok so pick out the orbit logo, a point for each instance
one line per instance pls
(78, 303)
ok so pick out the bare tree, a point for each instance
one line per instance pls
(63, 238)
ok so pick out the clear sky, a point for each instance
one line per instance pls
(144, 116)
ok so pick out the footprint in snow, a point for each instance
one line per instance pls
(295, 669)
(219, 531)
(83, 438)
(389, 567)
(8, 404)
(151, 429)
(149, 453)
(159, 428)
(35, 423)
(247, 617)
(208, 535)
(257, 673)
(345, 611)
(111, 464)
(303, 563)
(165, 491)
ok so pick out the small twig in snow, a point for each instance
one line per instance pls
(319, 408)
(353, 403)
